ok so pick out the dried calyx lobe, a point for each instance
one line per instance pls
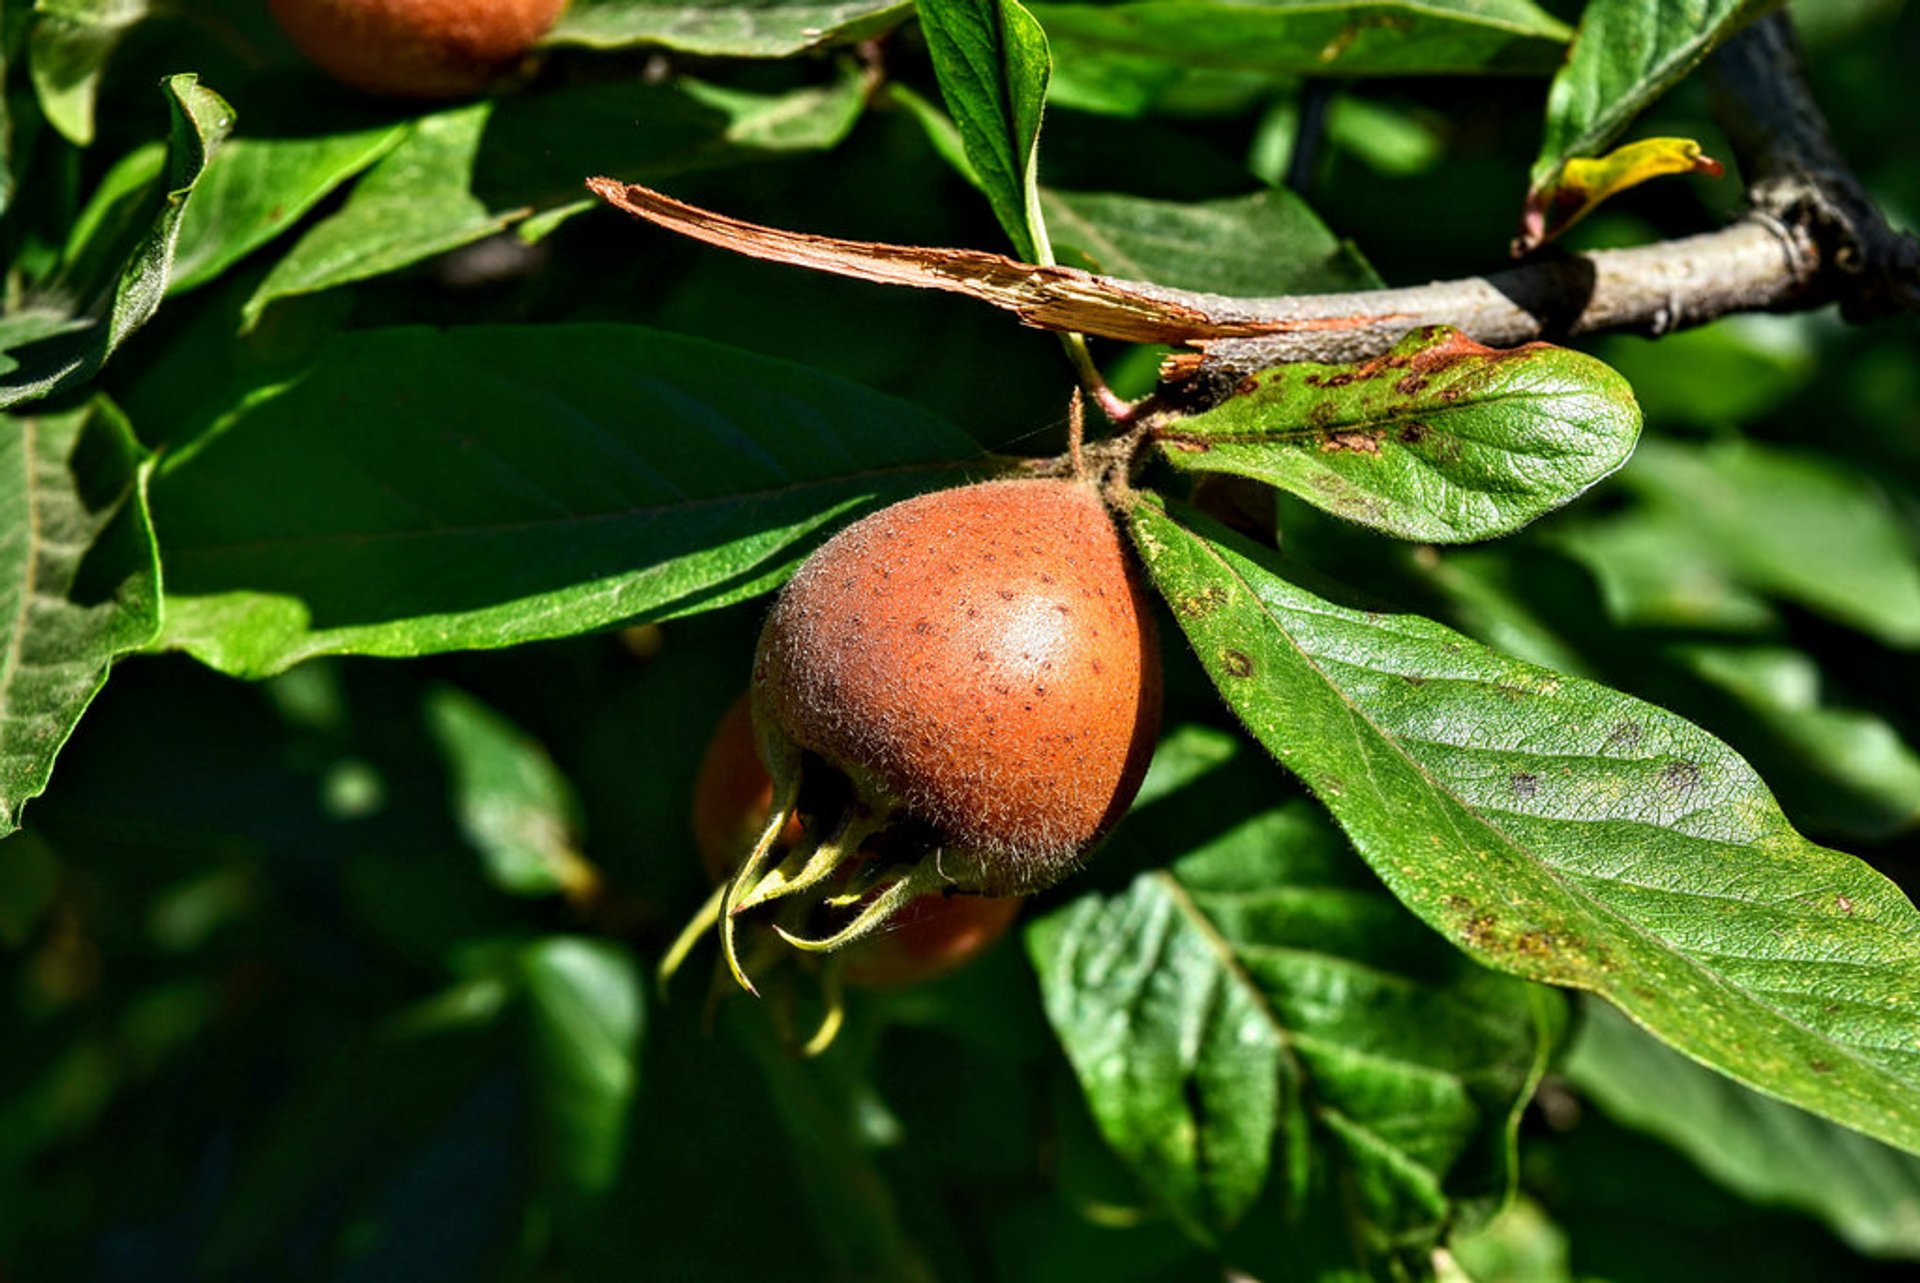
(980, 667)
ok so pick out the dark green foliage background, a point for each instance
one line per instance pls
(289, 984)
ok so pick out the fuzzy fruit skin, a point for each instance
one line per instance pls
(981, 660)
(933, 935)
(416, 48)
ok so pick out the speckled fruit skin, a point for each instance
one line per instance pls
(931, 936)
(416, 48)
(981, 660)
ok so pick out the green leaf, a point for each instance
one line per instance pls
(1315, 37)
(1766, 1152)
(1626, 54)
(584, 1004)
(418, 491)
(511, 801)
(1846, 769)
(258, 188)
(1264, 1001)
(1269, 243)
(414, 204)
(43, 351)
(1790, 524)
(992, 61)
(725, 28)
(79, 583)
(1654, 572)
(1570, 834)
(67, 52)
(466, 173)
(1440, 439)
(1520, 1245)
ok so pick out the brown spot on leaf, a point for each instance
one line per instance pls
(1819, 1066)
(1237, 663)
(1413, 433)
(1481, 931)
(1412, 385)
(1842, 903)
(1524, 784)
(1354, 441)
(1201, 604)
(1681, 777)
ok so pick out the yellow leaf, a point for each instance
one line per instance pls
(1583, 182)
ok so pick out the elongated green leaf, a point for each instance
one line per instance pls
(43, 351)
(414, 204)
(419, 491)
(584, 1004)
(466, 173)
(512, 803)
(725, 28)
(1265, 1001)
(1316, 37)
(67, 52)
(1654, 570)
(258, 188)
(1765, 1151)
(1268, 243)
(1570, 834)
(1441, 439)
(1626, 54)
(79, 585)
(1794, 525)
(992, 61)
(1848, 771)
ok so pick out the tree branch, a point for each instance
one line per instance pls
(1810, 236)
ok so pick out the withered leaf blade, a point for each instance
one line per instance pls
(1049, 298)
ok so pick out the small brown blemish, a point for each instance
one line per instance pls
(1237, 663)
(1413, 433)
(1524, 784)
(1536, 944)
(1625, 735)
(1353, 441)
(1479, 930)
(1246, 386)
(1412, 385)
(1842, 903)
(1681, 777)
(1819, 1066)
(1201, 604)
